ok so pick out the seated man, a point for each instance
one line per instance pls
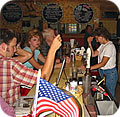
(48, 37)
(13, 73)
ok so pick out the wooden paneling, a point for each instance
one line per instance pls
(110, 24)
(108, 6)
(34, 8)
(119, 61)
(78, 37)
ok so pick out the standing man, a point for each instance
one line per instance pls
(88, 33)
(13, 73)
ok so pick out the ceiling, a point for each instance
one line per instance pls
(105, 5)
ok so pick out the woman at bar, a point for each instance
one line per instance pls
(33, 41)
(106, 58)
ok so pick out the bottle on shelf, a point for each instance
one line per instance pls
(73, 85)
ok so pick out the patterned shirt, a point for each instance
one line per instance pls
(44, 48)
(12, 75)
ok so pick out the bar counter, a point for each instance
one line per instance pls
(66, 75)
(87, 101)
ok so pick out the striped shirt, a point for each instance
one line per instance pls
(12, 75)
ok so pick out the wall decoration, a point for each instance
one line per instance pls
(83, 13)
(52, 13)
(26, 23)
(109, 14)
(11, 12)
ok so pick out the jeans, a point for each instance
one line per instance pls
(111, 79)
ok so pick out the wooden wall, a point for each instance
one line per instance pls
(34, 8)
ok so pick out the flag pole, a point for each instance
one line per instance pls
(63, 64)
(36, 93)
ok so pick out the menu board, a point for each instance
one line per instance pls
(83, 13)
(52, 13)
(11, 12)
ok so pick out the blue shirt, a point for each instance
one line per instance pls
(36, 53)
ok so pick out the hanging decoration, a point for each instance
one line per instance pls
(11, 12)
(83, 13)
(52, 13)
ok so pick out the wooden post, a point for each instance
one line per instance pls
(119, 63)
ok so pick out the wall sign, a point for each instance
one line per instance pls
(11, 12)
(83, 13)
(52, 13)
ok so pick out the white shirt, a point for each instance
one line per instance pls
(107, 50)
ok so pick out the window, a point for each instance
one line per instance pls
(72, 28)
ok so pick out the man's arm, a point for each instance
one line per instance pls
(5, 109)
(41, 58)
(22, 55)
(35, 64)
(48, 66)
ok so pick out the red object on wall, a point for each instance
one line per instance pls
(78, 37)
(95, 73)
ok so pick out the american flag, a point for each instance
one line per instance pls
(50, 98)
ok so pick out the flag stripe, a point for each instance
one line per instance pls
(74, 107)
(63, 103)
(51, 103)
(49, 108)
(64, 107)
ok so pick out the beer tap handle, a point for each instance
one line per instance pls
(88, 58)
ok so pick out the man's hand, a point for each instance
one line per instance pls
(90, 39)
(57, 61)
(82, 67)
(48, 66)
(56, 43)
(67, 59)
